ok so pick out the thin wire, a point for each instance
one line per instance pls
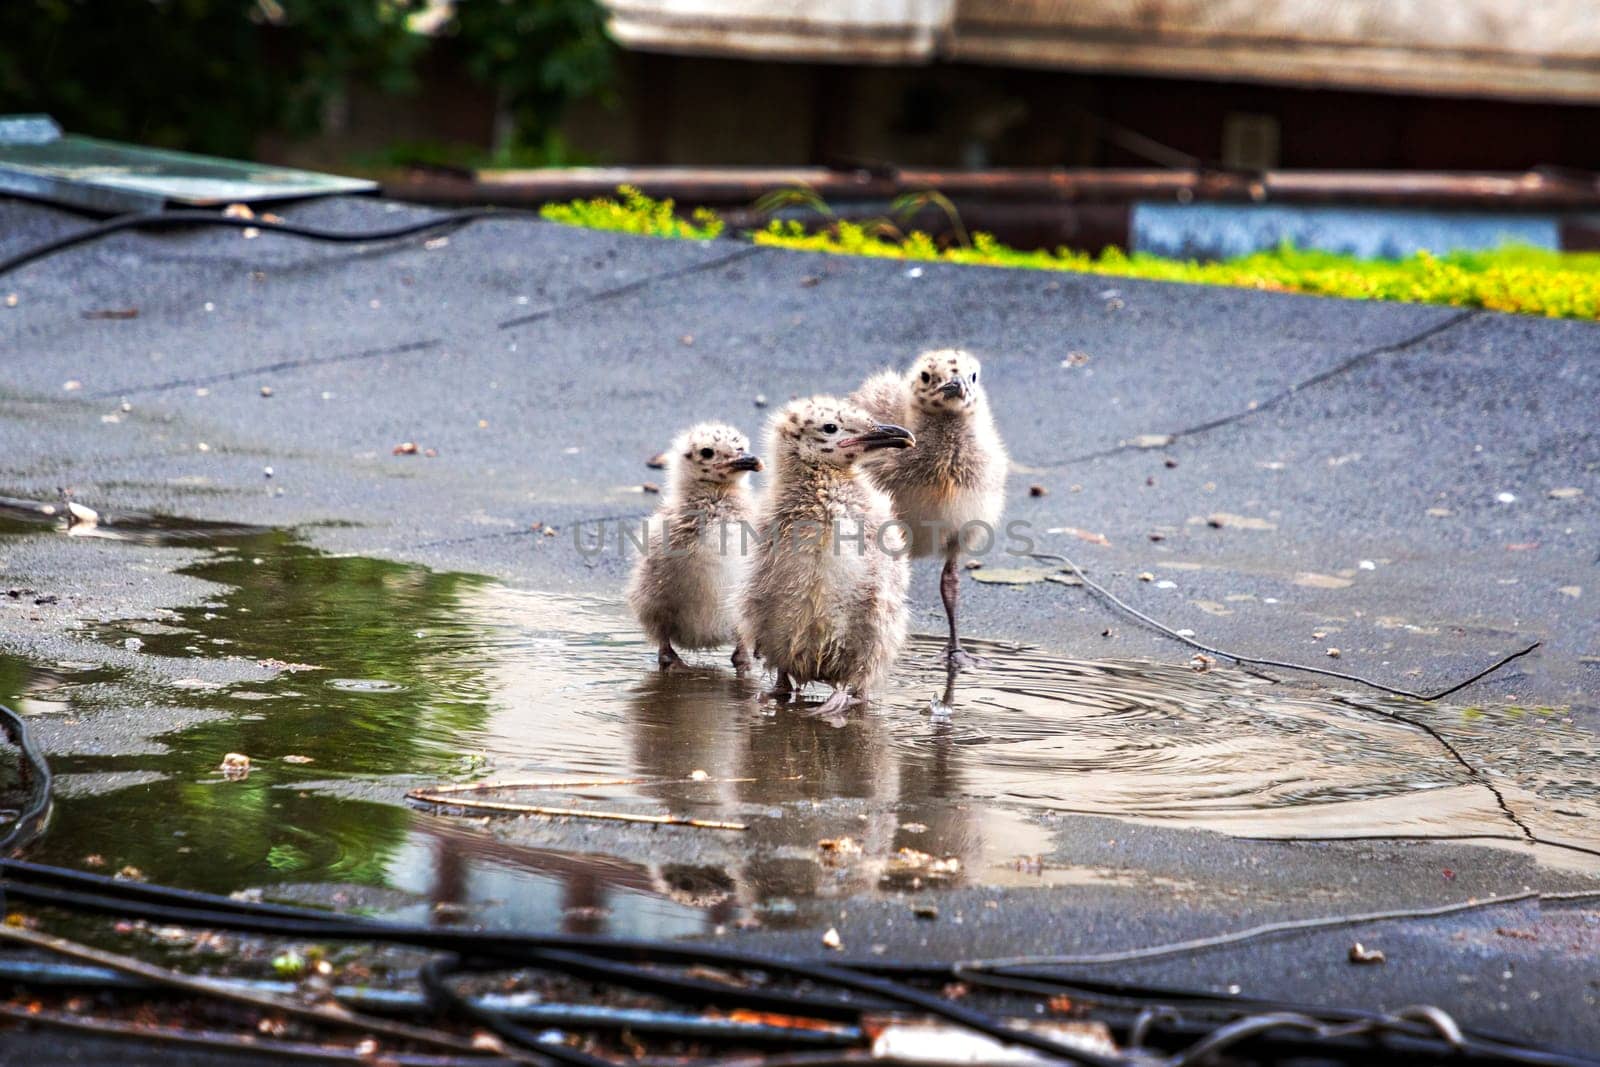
(1258, 407)
(1280, 664)
(226, 912)
(1174, 948)
(173, 220)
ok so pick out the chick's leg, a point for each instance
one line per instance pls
(667, 657)
(741, 658)
(782, 689)
(950, 592)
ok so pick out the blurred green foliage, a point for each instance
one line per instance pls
(214, 75)
(540, 55)
(1531, 281)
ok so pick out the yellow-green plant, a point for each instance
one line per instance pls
(635, 213)
(1529, 281)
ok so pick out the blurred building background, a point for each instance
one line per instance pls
(429, 92)
(1415, 84)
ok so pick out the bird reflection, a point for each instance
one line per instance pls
(797, 781)
(931, 786)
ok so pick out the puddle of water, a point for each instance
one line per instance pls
(27, 516)
(392, 676)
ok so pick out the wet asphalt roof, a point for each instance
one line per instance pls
(544, 364)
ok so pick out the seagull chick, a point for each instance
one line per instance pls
(956, 475)
(825, 596)
(683, 587)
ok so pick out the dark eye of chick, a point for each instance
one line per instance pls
(829, 427)
(974, 377)
(706, 453)
(926, 377)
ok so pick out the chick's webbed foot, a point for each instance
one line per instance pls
(958, 659)
(832, 710)
(667, 658)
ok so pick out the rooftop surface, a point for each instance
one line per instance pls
(1399, 480)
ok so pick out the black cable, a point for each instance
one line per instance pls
(173, 220)
(951, 1012)
(1436, 1030)
(30, 821)
(434, 975)
(1280, 664)
(192, 908)
(1133, 996)
(189, 908)
(515, 950)
(229, 1042)
(1257, 407)
(523, 950)
(529, 950)
(700, 992)
(1188, 1014)
(23, 871)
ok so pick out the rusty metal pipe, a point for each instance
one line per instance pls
(1531, 190)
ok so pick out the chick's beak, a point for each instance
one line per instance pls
(883, 435)
(744, 461)
(955, 387)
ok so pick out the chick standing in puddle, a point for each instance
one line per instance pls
(955, 479)
(684, 586)
(826, 589)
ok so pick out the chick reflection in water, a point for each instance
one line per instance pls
(798, 783)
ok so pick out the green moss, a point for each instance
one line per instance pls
(1528, 281)
(637, 214)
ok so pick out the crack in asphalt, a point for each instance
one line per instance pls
(633, 286)
(1478, 776)
(423, 345)
(1279, 397)
(268, 368)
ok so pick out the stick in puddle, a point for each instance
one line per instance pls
(489, 787)
(448, 800)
